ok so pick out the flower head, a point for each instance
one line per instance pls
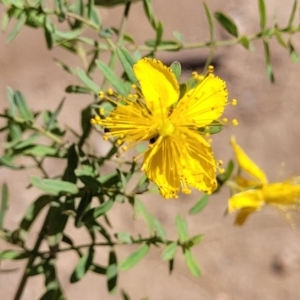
(255, 192)
(178, 156)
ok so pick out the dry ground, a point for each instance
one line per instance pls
(259, 261)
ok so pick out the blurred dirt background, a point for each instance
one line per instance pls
(258, 261)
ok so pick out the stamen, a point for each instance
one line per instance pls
(234, 102)
(234, 122)
(224, 120)
(101, 95)
(110, 92)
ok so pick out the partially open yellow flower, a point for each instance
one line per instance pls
(257, 192)
(178, 156)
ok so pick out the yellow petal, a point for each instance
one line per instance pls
(204, 103)
(158, 83)
(161, 166)
(243, 215)
(199, 167)
(246, 199)
(284, 193)
(247, 164)
(176, 163)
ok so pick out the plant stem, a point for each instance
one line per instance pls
(33, 256)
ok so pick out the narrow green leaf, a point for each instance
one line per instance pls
(127, 62)
(245, 42)
(96, 212)
(124, 237)
(10, 97)
(293, 54)
(227, 23)
(5, 161)
(54, 186)
(134, 257)
(269, 68)
(5, 21)
(159, 229)
(210, 21)
(69, 35)
(83, 265)
(17, 28)
(32, 212)
(178, 36)
(13, 255)
(292, 15)
(111, 77)
(170, 251)
(195, 240)
(148, 8)
(191, 263)
(49, 32)
(182, 229)
(279, 39)
(84, 205)
(40, 151)
(112, 271)
(27, 142)
(199, 205)
(159, 33)
(98, 269)
(262, 14)
(4, 204)
(53, 119)
(22, 106)
(176, 68)
(143, 185)
(87, 81)
(77, 89)
(139, 208)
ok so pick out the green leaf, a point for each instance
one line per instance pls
(170, 251)
(227, 23)
(182, 229)
(245, 42)
(210, 21)
(191, 263)
(87, 81)
(53, 119)
(293, 54)
(22, 106)
(40, 150)
(98, 269)
(199, 205)
(176, 68)
(127, 62)
(5, 21)
(4, 204)
(5, 161)
(159, 229)
(124, 237)
(148, 8)
(262, 14)
(178, 36)
(111, 77)
(54, 186)
(212, 128)
(83, 265)
(159, 33)
(293, 12)
(69, 35)
(112, 271)
(134, 257)
(96, 212)
(13, 255)
(49, 31)
(31, 214)
(269, 68)
(195, 240)
(139, 208)
(17, 28)
(84, 205)
(143, 185)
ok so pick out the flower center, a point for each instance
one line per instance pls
(166, 128)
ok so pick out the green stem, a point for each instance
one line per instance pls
(33, 256)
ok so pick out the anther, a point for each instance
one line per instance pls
(93, 121)
(221, 171)
(224, 120)
(220, 162)
(234, 122)
(124, 148)
(210, 69)
(200, 78)
(110, 92)
(102, 111)
(234, 102)
(195, 75)
(133, 86)
(101, 95)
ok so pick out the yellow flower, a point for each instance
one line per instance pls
(255, 193)
(178, 156)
